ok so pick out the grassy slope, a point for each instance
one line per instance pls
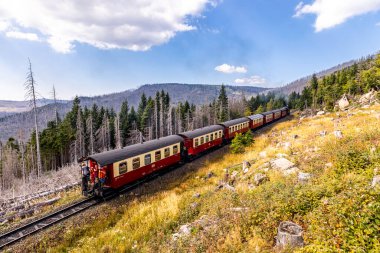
(338, 209)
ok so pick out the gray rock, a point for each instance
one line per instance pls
(338, 134)
(303, 177)
(323, 133)
(376, 181)
(196, 195)
(260, 178)
(281, 164)
(320, 112)
(289, 235)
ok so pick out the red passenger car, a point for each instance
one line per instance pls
(256, 121)
(284, 111)
(202, 139)
(133, 162)
(277, 114)
(235, 126)
(268, 117)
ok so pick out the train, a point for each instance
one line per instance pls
(131, 163)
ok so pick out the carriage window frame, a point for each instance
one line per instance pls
(166, 152)
(124, 169)
(211, 136)
(175, 149)
(196, 142)
(202, 140)
(157, 155)
(136, 163)
(207, 138)
(147, 159)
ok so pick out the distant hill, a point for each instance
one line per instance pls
(299, 84)
(8, 107)
(194, 93)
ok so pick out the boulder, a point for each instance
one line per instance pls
(303, 177)
(281, 164)
(260, 178)
(375, 181)
(338, 134)
(322, 133)
(321, 113)
(343, 102)
(289, 235)
(368, 97)
(290, 171)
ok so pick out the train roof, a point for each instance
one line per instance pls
(284, 108)
(116, 155)
(201, 131)
(234, 122)
(267, 113)
(255, 116)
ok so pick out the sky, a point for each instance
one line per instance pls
(96, 47)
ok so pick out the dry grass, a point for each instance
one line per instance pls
(337, 209)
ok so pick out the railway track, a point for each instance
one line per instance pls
(19, 233)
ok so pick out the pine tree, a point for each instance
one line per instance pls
(222, 104)
(125, 123)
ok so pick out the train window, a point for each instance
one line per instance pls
(207, 138)
(220, 134)
(136, 163)
(175, 149)
(157, 156)
(123, 168)
(196, 142)
(212, 137)
(167, 152)
(147, 159)
(202, 140)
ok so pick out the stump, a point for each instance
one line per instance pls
(289, 235)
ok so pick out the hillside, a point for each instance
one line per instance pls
(189, 209)
(194, 93)
(299, 84)
(8, 107)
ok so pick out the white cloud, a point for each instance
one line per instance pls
(22, 35)
(228, 69)
(334, 12)
(253, 80)
(126, 24)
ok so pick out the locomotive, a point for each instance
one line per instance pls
(131, 163)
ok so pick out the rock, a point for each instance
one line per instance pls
(287, 145)
(322, 133)
(329, 165)
(375, 181)
(263, 154)
(368, 97)
(245, 170)
(290, 171)
(338, 134)
(321, 113)
(281, 164)
(343, 102)
(260, 178)
(303, 177)
(194, 205)
(196, 195)
(239, 209)
(229, 187)
(289, 235)
(184, 230)
(210, 174)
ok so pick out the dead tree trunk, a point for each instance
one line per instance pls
(31, 96)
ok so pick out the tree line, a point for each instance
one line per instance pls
(322, 93)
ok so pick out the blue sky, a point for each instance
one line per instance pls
(105, 48)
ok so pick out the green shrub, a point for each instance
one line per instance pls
(241, 141)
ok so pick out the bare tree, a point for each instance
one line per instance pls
(117, 131)
(31, 96)
(55, 105)
(90, 129)
(80, 138)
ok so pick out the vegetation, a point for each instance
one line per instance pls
(357, 79)
(337, 208)
(241, 141)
